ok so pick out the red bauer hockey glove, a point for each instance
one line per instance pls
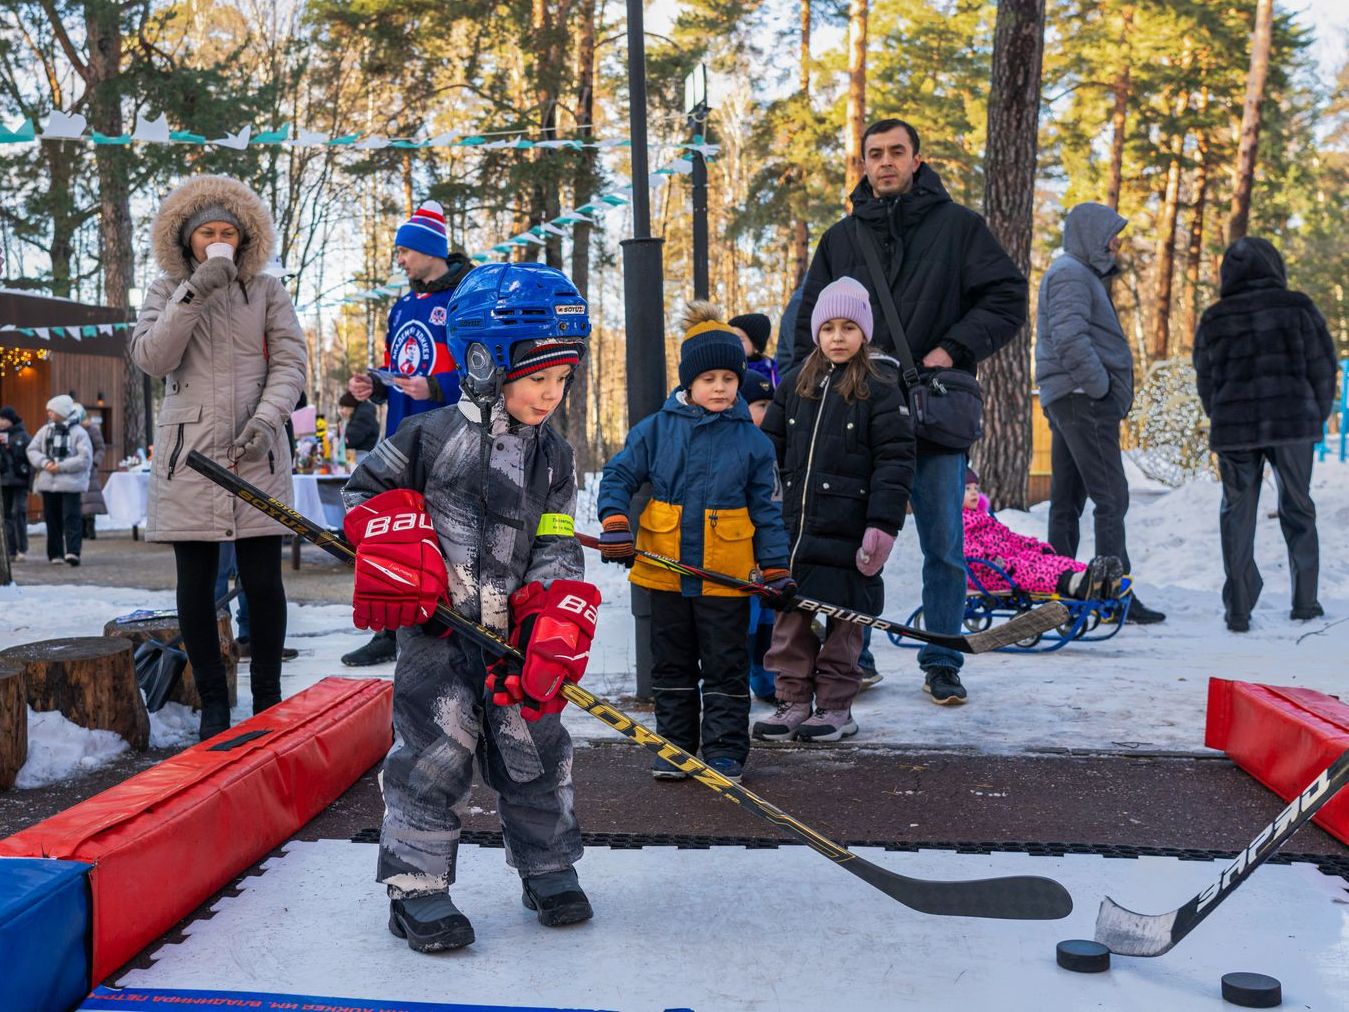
(553, 629)
(400, 573)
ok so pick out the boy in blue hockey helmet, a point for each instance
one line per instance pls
(476, 502)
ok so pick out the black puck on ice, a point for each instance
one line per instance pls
(1082, 955)
(1252, 990)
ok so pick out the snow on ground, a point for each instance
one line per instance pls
(845, 945)
(1143, 690)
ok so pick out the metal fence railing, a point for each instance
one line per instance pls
(1337, 428)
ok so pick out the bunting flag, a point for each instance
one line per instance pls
(78, 332)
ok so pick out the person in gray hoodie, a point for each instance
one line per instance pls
(1086, 375)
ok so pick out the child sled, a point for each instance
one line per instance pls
(1089, 619)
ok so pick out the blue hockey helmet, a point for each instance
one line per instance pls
(501, 311)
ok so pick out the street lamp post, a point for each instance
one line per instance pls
(695, 105)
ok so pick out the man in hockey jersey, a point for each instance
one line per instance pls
(479, 502)
(415, 348)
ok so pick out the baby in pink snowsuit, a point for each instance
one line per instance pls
(1031, 562)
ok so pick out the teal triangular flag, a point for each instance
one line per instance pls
(27, 331)
(339, 141)
(99, 138)
(401, 143)
(57, 331)
(89, 330)
(19, 136)
(187, 137)
(470, 142)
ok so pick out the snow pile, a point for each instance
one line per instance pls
(58, 749)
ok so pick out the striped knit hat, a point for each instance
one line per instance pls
(531, 356)
(425, 231)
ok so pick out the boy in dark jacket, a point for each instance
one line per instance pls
(16, 475)
(1265, 366)
(713, 486)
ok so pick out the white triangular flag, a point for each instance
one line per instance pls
(309, 138)
(237, 141)
(43, 333)
(152, 131)
(442, 140)
(681, 165)
(105, 329)
(60, 126)
(548, 226)
(372, 143)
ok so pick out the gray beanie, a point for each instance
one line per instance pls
(214, 212)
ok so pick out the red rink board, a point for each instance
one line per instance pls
(166, 839)
(1283, 737)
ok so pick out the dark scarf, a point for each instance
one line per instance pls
(58, 441)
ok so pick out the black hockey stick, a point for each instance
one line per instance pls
(1015, 897)
(1014, 630)
(1131, 934)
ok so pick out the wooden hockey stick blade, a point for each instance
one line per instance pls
(1031, 623)
(1133, 934)
(1015, 897)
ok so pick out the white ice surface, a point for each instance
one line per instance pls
(1143, 690)
(689, 928)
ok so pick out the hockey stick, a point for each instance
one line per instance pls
(1014, 630)
(1131, 934)
(1014, 897)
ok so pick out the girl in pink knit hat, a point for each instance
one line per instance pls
(845, 450)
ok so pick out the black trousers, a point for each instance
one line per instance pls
(15, 500)
(1242, 472)
(61, 513)
(703, 639)
(1086, 462)
(259, 562)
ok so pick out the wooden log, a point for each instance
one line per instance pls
(13, 725)
(165, 629)
(90, 679)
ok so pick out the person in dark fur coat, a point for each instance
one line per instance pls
(1265, 366)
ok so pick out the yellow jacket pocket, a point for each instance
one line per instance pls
(728, 547)
(657, 533)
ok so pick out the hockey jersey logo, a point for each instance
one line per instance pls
(412, 349)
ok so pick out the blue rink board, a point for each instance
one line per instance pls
(158, 999)
(44, 933)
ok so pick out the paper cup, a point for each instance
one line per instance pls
(220, 249)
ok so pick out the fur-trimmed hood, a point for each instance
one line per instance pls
(259, 235)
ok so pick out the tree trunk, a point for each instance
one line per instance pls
(800, 227)
(103, 31)
(1122, 90)
(13, 724)
(1244, 172)
(857, 89)
(90, 679)
(1194, 251)
(64, 220)
(576, 418)
(1003, 455)
(1166, 228)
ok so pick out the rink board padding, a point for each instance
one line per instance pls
(44, 933)
(1283, 737)
(164, 840)
(145, 999)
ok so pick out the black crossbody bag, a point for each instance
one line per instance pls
(946, 406)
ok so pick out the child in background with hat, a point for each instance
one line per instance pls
(61, 455)
(846, 454)
(758, 394)
(755, 329)
(713, 505)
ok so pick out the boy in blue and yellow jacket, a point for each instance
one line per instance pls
(714, 504)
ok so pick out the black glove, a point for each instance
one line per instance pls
(780, 582)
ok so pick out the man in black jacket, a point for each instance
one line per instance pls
(15, 478)
(960, 298)
(1265, 366)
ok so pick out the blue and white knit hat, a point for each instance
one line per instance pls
(425, 231)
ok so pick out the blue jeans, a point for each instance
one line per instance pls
(937, 494)
(229, 570)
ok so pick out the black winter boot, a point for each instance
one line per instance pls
(215, 701)
(558, 898)
(430, 923)
(381, 648)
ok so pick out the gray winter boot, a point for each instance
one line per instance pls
(430, 923)
(558, 898)
(827, 725)
(784, 722)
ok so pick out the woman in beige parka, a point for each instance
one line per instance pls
(225, 338)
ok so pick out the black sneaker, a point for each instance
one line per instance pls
(943, 685)
(1306, 614)
(662, 769)
(557, 897)
(1141, 614)
(430, 923)
(246, 651)
(731, 769)
(381, 649)
(1238, 624)
(72, 559)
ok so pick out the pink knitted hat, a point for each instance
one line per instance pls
(844, 299)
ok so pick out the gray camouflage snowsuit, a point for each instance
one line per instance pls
(490, 493)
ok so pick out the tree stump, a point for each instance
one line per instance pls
(165, 629)
(13, 725)
(90, 679)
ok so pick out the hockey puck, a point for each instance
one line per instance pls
(1252, 990)
(1083, 956)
